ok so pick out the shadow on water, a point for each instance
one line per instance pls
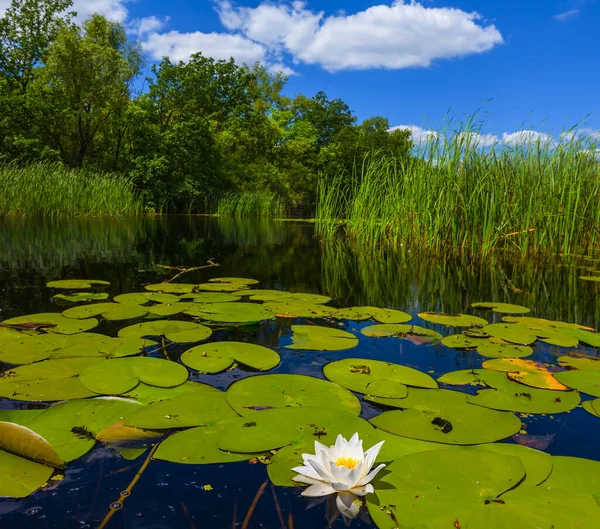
(129, 252)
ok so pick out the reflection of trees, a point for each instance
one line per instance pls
(430, 282)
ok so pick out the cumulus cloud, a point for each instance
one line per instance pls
(525, 137)
(114, 10)
(180, 46)
(418, 134)
(143, 26)
(566, 15)
(583, 133)
(399, 35)
(475, 139)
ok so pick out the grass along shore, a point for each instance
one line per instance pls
(54, 190)
(454, 195)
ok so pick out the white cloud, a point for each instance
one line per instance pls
(180, 46)
(566, 15)
(475, 139)
(143, 26)
(393, 36)
(114, 10)
(525, 137)
(581, 133)
(418, 134)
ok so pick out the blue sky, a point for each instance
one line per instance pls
(537, 60)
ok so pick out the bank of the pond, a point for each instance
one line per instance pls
(458, 196)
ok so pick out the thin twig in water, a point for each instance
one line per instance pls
(254, 503)
(278, 507)
(235, 507)
(118, 505)
(184, 270)
(290, 521)
(186, 512)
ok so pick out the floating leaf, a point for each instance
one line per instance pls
(109, 311)
(574, 475)
(233, 313)
(444, 416)
(211, 297)
(226, 284)
(27, 349)
(589, 338)
(315, 338)
(503, 308)
(458, 320)
(540, 323)
(60, 324)
(462, 341)
(538, 465)
(298, 309)
(493, 349)
(141, 298)
(528, 372)
(96, 345)
(164, 309)
(175, 331)
(588, 363)
(115, 377)
(391, 330)
(26, 443)
(21, 477)
(218, 356)
(252, 394)
(478, 378)
(511, 332)
(172, 288)
(148, 394)
(120, 433)
(592, 406)
(280, 296)
(526, 400)
(582, 380)
(373, 377)
(81, 296)
(76, 284)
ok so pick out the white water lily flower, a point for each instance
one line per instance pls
(343, 469)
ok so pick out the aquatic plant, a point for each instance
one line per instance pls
(454, 194)
(54, 191)
(250, 204)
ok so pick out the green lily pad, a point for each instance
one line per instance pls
(589, 363)
(392, 330)
(165, 309)
(98, 345)
(373, 377)
(315, 338)
(233, 313)
(574, 475)
(444, 416)
(119, 435)
(21, 477)
(280, 296)
(458, 320)
(538, 465)
(503, 350)
(587, 382)
(462, 341)
(115, 377)
(172, 288)
(226, 284)
(141, 298)
(198, 446)
(257, 393)
(441, 488)
(528, 372)
(183, 411)
(272, 429)
(526, 400)
(540, 323)
(211, 297)
(242, 281)
(24, 442)
(61, 324)
(76, 284)
(218, 356)
(22, 417)
(81, 296)
(49, 380)
(372, 313)
(503, 308)
(109, 311)
(591, 339)
(592, 406)
(70, 427)
(298, 309)
(478, 378)
(149, 394)
(27, 349)
(174, 331)
(511, 332)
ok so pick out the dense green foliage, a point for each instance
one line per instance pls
(532, 197)
(196, 132)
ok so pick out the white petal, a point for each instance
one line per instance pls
(363, 491)
(348, 506)
(371, 455)
(306, 480)
(320, 447)
(346, 478)
(369, 477)
(307, 470)
(320, 470)
(317, 490)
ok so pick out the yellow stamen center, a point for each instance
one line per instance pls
(347, 462)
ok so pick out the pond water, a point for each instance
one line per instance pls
(134, 253)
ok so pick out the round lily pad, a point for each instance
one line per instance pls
(141, 298)
(539, 323)
(226, 284)
(27, 349)
(458, 320)
(24, 442)
(392, 330)
(115, 377)
(589, 363)
(373, 377)
(372, 313)
(21, 477)
(175, 331)
(462, 341)
(198, 446)
(444, 416)
(538, 465)
(591, 339)
(60, 324)
(149, 394)
(575, 475)
(211, 297)
(76, 284)
(280, 296)
(234, 313)
(478, 378)
(315, 338)
(272, 429)
(592, 406)
(586, 381)
(218, 356)
(528, 372)
(503, 308)
(183, 411)
(511, 332)
(80, 297)
(493, 349)
(172, 288)
(296, 309)
(98, 345)
(281, 391)
(526, 400)
(165, 309)
(109, 311)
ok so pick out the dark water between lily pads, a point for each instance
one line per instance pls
(133, 253)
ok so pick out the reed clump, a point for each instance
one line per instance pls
(456, 194)
(56, 191)
(250, 204)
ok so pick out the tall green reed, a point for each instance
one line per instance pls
(454, 193)
(251, 204)
(54, 190)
